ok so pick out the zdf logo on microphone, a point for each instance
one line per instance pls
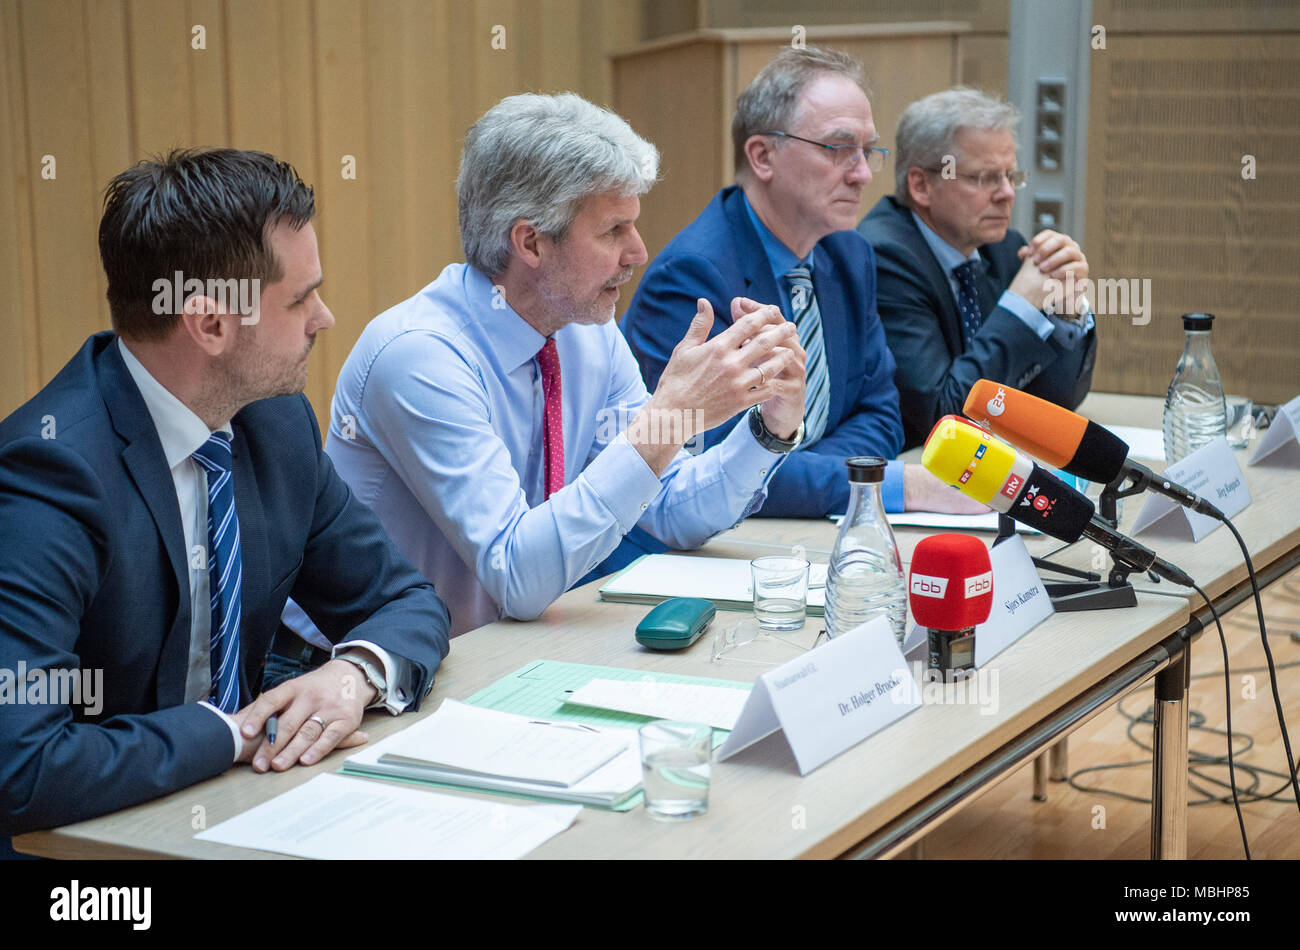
(998, 404)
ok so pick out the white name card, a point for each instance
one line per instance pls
(829, 699)
(1284, 430)
(1020, 603)
(1211, 472)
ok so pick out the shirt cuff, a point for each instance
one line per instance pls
(623, 481)
(891, 492)
(394, 703)
(1036, 320)
(744, 459)
(234, 730)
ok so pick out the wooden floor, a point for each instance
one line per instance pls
(1008, 823)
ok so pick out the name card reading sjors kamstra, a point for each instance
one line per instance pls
(1020, 603)
(829, 699)
(1213, 473)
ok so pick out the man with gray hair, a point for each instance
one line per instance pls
(496, 421)
(962, 296)
(805, 147)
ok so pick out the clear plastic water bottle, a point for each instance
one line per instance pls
(1195, 411)
(866, 573)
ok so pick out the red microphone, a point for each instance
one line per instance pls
(950, 589)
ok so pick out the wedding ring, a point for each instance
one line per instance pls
(319, 720)
(761, 375)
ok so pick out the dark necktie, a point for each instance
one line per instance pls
(968, 300)
(225, 570)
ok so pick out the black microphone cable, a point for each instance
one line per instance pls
(1268, 656)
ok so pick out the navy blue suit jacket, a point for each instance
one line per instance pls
(93, 575)
(719, 256)
(922, 323)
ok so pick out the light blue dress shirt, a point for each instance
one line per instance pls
(1041, 323)
(436, 424)
(781, 259)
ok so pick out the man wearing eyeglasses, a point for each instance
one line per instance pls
(805, 147)
(962, 296)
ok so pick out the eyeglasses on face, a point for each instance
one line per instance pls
(990, 179)
(844, 156)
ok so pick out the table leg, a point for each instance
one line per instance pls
(1169, 762)
(1040, 777)
(1058, 761)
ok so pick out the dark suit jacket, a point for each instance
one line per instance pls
(922, 323)
(719, 256)
(93, 575)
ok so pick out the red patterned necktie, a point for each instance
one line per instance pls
(548, 360)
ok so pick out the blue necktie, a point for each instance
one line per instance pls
(225, 570)
(968, 300)
(808, 321)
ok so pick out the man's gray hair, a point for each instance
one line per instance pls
(537, 157)
(771, 101)
(927, 129)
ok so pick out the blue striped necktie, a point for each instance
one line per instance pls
(808, 321)
(968, 300)
(225, 570)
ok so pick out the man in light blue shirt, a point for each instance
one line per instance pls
(497, 422)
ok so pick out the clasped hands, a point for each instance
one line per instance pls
(337, 693)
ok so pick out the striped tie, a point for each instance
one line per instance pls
(968, 300)
(808, 320)
(225, 570)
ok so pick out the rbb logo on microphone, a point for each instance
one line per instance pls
(927, 586)
(979, 584)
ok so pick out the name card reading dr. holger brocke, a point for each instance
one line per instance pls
(830, 698)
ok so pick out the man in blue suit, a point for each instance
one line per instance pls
(961, 294)
(164, 495)
(804, 149)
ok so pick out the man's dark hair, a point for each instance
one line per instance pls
(203, 212)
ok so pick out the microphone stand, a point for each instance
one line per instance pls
(1092, 594)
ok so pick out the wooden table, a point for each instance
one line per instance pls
(873, 800)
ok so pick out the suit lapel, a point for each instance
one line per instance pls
(759, 283)
(829, 289)
(144, 460)
(950, 322)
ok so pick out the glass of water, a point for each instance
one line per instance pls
(780, 592)
(675, 763)
(1240, 408)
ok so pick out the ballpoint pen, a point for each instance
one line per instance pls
(272, 725)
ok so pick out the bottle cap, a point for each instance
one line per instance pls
(866, 468)
(1197, 321)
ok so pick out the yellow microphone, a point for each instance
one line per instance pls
(975, 463)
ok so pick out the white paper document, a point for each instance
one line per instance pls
(1211, 472)
(336, 817)
(728, 582)
(1143, 443)
(518, 748)
(717, 706)
(609, 785)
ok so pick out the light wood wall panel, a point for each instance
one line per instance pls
(395, 84)
(1171, 118)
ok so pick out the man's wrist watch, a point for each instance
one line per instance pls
(374, 674)
(763, 435)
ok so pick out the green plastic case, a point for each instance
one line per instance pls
(675, 624)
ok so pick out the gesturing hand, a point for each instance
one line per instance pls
(336, 695)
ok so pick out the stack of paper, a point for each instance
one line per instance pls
(496, 751)
(726, 581)
(336, 817)
(717, 706)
